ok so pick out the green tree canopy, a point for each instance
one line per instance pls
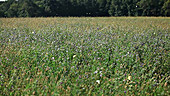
(36, 8)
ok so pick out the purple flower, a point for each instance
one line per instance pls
(79, 77)
(142, 65)
(100, 75)
(154, 85)
(0, 74)
(61, 82)
(26, 37)
(142, 44)
(15, 67)
(96, 72)
(124, 91)
(87, 76)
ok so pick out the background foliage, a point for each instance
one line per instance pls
(39, 8)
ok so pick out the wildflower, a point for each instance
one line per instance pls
(154, 85)
(15, 67)
(0, 74)
(61, 82)
(129, 77)
(142, 65)
(98, 81)
(33, 32)
(79, 77)
(100, 75)
(52, 58)
(124, 91)
(87, 76)
(96, 72)
(74, 56)
(26, 37)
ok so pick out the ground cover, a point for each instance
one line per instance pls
(85, 56)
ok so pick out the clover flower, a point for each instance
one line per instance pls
(98, 81)
(96, 72)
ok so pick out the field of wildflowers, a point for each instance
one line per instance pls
(85, 56)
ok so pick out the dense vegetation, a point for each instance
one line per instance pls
(85, 56)
(41, 8)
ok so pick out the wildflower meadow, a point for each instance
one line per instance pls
(79, 56)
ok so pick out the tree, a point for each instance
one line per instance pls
(166, 8)
(13, 10)
(47, 8)
(102, 9)
(5, 6)
(151, 7)
(51, 7)
(28, 9)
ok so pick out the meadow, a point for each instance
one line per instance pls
(94, 56)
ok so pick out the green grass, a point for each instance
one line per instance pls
(85, 56)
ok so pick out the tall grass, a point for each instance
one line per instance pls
(85, 56)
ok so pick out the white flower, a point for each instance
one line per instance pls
(98, 81)
(129, 77)
(74, 56)
(33, 32)
(52, 58)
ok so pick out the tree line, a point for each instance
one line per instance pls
(52, 8)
